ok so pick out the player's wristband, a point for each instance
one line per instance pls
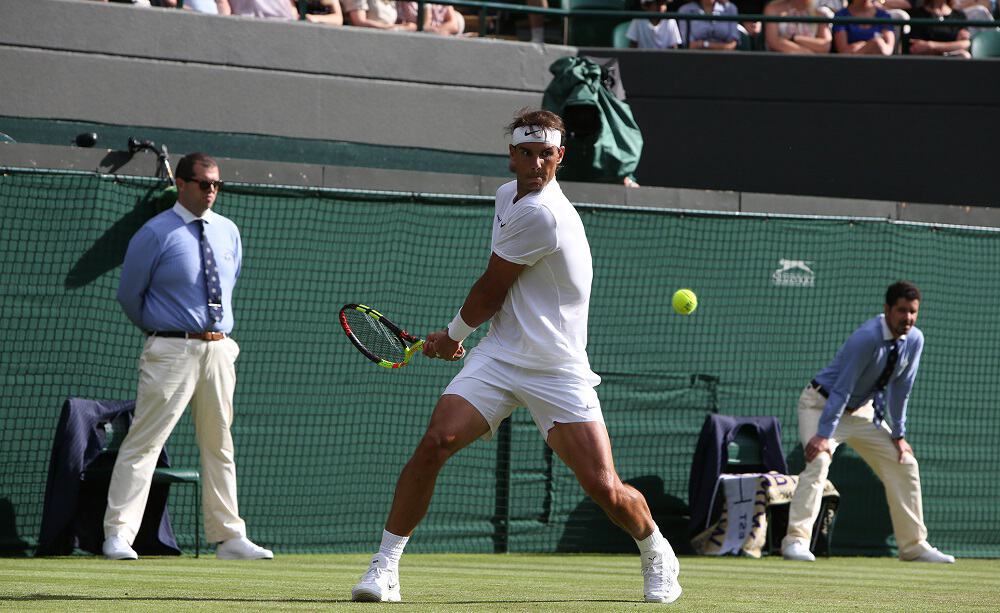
(458, 330)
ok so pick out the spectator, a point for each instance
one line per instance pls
(897, 9)
(144, 3)
(326, 12)
(266, 9)
(975, 10)
(750, 29)
(379, 14)
(537, 21)
(870, 39)
(940, 39)
(711, 35)
(210, 7)
(438, 18)
(653, 33)
(792, 37)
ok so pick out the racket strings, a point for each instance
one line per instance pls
(377, 339)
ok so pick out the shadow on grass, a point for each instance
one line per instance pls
(76, 598)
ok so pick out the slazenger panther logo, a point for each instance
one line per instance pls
(793, 273)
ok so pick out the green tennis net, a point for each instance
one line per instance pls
(321, 433)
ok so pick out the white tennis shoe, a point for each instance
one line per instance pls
(659, 573)
(934, 556)
(798, 551)
(241, 548)
(379, 584)
(117, 548)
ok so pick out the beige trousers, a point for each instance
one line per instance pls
(172, 373)
(875, 446)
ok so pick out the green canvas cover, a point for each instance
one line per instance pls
(603, 141)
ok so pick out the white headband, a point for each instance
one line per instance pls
(536, 134)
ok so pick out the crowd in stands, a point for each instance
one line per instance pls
(943, 38)
(381, 14)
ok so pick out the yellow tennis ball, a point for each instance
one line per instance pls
(685, 302)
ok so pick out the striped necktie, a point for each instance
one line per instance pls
(212, 285)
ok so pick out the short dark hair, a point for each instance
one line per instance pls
(185, 167)
(537, 117)
(901, 289)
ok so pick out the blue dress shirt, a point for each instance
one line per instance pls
(162, 285)
(850, 378)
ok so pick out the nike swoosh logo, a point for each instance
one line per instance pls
(392, 586)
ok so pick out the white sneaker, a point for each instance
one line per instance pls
(379, 584)
(659, 574)
(241, 548)
(798, 551)
(116, 548)
(933, 555)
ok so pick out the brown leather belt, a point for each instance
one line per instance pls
(199, 336)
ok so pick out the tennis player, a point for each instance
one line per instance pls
(536, 295)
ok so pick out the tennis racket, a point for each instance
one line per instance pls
(377, 338)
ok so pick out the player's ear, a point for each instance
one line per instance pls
(562, 152)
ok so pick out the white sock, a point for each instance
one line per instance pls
(392, 547)
(538, 34)
(655, 542)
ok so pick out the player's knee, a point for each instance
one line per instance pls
(604, 489)
(435, 448)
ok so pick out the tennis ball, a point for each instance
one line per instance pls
(684, 301)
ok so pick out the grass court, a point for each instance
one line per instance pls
(503, 582)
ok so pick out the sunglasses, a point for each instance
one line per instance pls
(204, 185)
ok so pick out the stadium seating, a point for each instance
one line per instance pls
(593, 31)
(618, 38)
(986, 44)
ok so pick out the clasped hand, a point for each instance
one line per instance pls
(440, 345)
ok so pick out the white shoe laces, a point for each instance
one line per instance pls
(658, 577)
(374, 572)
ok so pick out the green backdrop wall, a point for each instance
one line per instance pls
(321, 433)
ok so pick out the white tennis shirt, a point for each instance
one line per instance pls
(543, 321)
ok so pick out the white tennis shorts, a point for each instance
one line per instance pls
(554, 396)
